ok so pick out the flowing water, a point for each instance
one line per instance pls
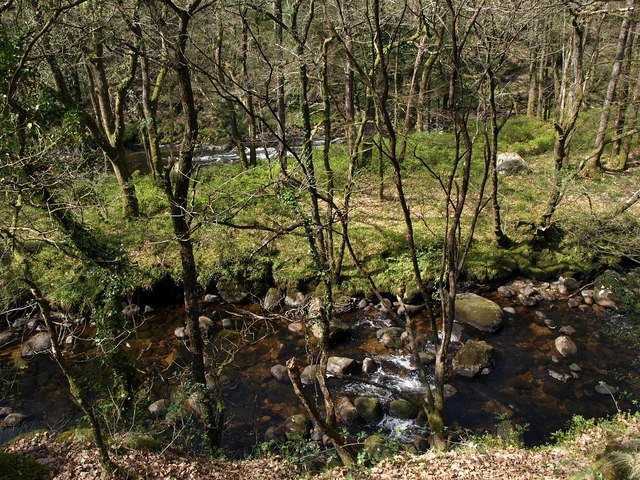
(519, 387)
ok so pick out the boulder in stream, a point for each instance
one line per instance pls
(339, 366)
(308, 375)
(40, 342)
(280, 373)
(346, 410)
(402, 409)
(14, 419)
(297, 427)
(566, 346)
(479, 312)
(472, 358)
(369, 409)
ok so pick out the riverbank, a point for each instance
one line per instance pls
(607, 450)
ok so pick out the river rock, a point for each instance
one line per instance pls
(479, 312)
(346, 411)
(159, 407)
(550, 323)
(570, 283)
(275, 434)
(295, 300)
(296, 327)
(472, 358)
(505, 292)
(509, 310)
(338, 329)
(180, 333)
(40, 342)
(280, 373)
(566, 346)
(605, 389)
(392, 342)
(14, 419)
(4, 411)
(20, 323)
(6, 337)
(369, 365)
(308, 375)
(573, 302)
(369, 409)
(528, 301)
(130, 311)
(568, 330)
(206, 325)
(511, 163)
(392, 331)
(297, 427)
(402, 409)
(272, 300)
(210, 299)
(427, 357)
(562, 377)
(574, 367)
(339, 366)
(362, 304)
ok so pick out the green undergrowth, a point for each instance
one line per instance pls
(587, 239)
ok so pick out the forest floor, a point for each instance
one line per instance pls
(608, 449)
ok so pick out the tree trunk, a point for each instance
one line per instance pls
(593, 161)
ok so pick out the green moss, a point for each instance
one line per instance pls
(14, 466)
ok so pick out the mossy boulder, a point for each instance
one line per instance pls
(472, 358)
(297, 427)
(369, 409)
(479, 312)
(403, 409)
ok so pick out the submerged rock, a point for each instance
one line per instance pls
(479, 312)
(605, 389)
(472, 358)
(308, 375)
(280, 373)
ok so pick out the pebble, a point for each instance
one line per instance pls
(550, 323)
(509, 310)
(567, 330)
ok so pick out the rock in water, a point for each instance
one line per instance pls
(339, 366)
(473, 357)
(297, 427)
(280, 373)
(272, 299)
(347, 412)
(403, 409)
(566, 346)
(369, 409)
(40, 342)
(479, 312)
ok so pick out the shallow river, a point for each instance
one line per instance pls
(519, 388)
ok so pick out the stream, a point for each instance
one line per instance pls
(519, 387)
